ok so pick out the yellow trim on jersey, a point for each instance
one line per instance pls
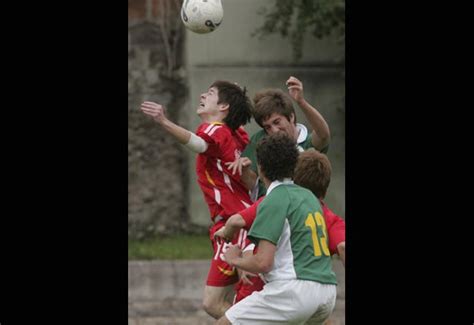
(209, 178)
(226, 272)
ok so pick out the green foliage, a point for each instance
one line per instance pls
(292, 18)
(171, 248)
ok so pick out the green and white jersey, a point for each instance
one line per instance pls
(291, 217)
(304, 142)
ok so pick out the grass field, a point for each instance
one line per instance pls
(177, 247)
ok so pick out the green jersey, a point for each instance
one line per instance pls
(304, 142)
(291, 217)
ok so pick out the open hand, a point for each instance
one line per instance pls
(246, 276)
(154, 110)
(232, 252)
(295, 89)
(238, 164)
(221, 234)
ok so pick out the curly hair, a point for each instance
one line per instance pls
(313, 171)
(277, 156)
(240, 106)
(269, 101)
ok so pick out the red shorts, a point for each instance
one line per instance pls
(220, 273)
(243, 290)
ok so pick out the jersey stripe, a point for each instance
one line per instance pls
(239, 241)
(217, 195)
(209, 128)
(245, 204)
(214, 129)
(226, 177)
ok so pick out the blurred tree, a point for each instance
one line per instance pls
(157, 173)
(292, 18)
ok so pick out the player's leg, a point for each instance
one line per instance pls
(248, 282)
(327, 322)
(325, 298)
(284, 302)
(223, 321)
(217, 300)
(219, 290)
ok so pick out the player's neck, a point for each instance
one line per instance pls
(265, 181)
(207, 118)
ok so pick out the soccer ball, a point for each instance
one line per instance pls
(202, 16)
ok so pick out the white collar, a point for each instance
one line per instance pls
(303, 133)
(286, 181)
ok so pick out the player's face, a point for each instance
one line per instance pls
(277, 123)
(208, 102)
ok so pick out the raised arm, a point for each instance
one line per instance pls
(321, 135)
(185, 137)
(232, 226)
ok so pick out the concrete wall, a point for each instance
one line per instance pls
(170, 292)
(231, 53)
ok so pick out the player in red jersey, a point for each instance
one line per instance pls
(313, 171)
(224, 108)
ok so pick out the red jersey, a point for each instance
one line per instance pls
(250, 213)
(335, 226)
(224, 193)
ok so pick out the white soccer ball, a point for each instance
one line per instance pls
(202, 16)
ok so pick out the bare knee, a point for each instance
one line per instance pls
(215, 307)
(210, 306)
(223, 321)
(215, 301)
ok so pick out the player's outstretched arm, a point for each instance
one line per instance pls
(231, 227)
(185, 137)
(336, 228)
(321, 134)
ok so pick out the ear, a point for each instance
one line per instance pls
(259, 171)
(223, 107)
(292, 118)
(261, 175)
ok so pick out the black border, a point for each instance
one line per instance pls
(408, 168)
(64, 226)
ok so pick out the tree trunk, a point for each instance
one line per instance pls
(157, 164)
